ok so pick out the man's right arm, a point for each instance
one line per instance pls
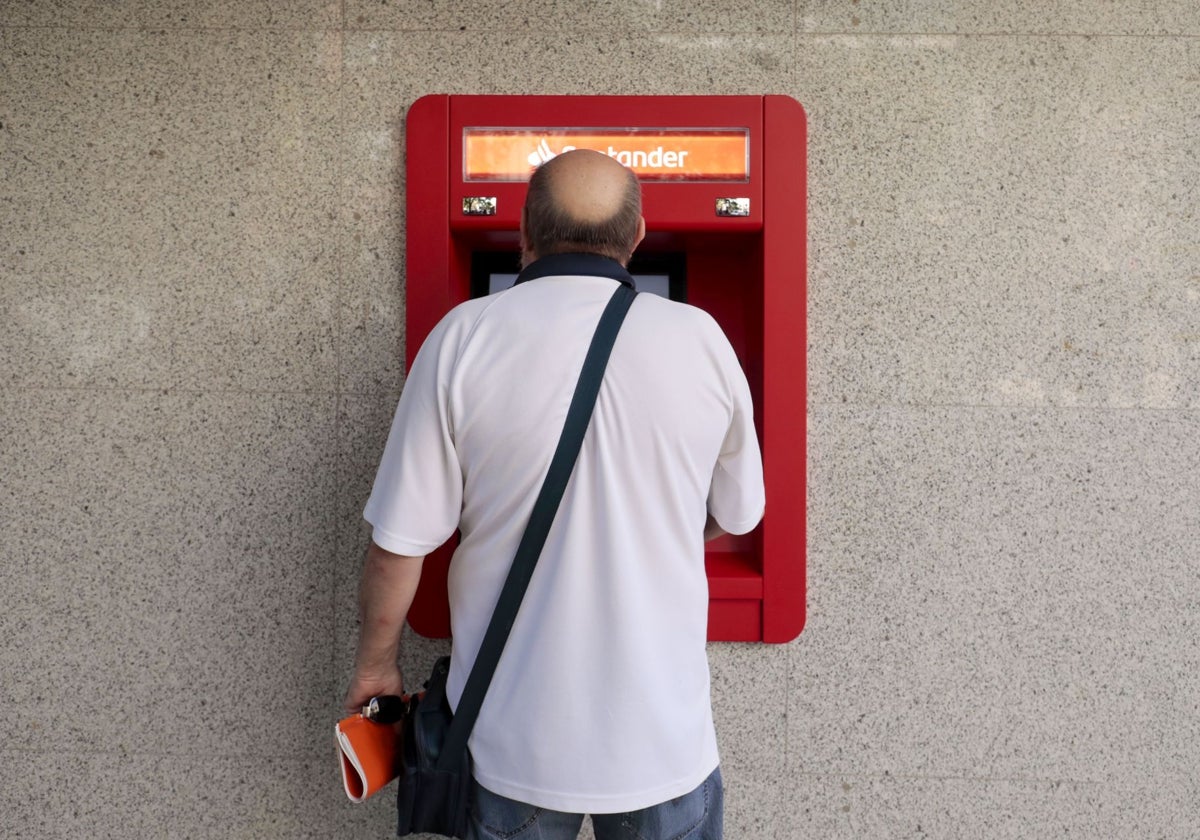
(735, 496)
(389, 582)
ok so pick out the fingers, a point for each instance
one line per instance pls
(365, 686)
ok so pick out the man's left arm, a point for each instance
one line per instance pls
(389, 582)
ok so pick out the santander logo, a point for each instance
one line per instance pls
(657, 158)
(542, 153)
(654, 154)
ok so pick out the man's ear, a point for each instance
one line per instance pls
(527, 255)
(641, 234)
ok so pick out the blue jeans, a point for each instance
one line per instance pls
(699, 815)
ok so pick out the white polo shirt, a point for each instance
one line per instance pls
(600, 703)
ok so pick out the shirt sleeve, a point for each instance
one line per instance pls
(417, 497)
(736, 496)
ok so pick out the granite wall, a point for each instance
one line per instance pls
(201, 292)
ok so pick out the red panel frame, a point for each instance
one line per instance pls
(749, 272)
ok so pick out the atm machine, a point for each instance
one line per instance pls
(724, 197)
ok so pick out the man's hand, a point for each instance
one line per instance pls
(389, 582)
(366, 685)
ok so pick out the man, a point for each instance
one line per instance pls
(600, 703)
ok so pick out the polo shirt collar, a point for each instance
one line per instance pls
(593, 265)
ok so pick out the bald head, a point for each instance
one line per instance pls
(582, 201)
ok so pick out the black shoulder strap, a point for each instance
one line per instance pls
(579, 415)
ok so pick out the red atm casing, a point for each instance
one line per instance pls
(749, 272)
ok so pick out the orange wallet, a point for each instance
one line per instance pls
(368, 755)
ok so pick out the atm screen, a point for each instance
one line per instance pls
(657, 273)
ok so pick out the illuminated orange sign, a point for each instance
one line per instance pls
(655, 154)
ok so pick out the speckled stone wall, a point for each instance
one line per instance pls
(201, 292)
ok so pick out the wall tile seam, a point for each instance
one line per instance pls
(1050, 407)
(813, 405)
(817, 33)
(834, 33)
(324, 755)
(340, 256)
(404, 30)
(616, 33)
(790, 688)
(394, 393)
(339, 548)
(170, 391)
(955, 777)
(159, 29)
